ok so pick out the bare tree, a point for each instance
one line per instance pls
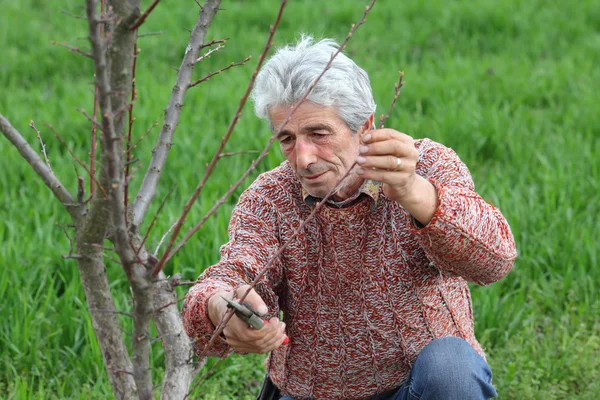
(107, 213)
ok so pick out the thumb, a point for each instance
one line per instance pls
(253, 299)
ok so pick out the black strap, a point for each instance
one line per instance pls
(268, 391)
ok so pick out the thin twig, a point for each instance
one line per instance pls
(236, 153)
(216, 157)
(141, 19)
(128, 158)
(162, 204)
(93, 120)
(204, 376)
(233, 64)
(116, 260)
(268, 146)
(76, 159)
(397, 87)
(73, 15)
(37, 132)
(72, 49)
(169, 304)
(71, 239)
(111, 312)
(208, 53)
(162, 239)
(94, 138)
(213, 42)
(99, 246)
(142, 137)
(141, 35)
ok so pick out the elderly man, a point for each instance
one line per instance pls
(374, 289)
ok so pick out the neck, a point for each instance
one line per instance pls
(352, 183)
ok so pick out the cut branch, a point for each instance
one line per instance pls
(172, 113)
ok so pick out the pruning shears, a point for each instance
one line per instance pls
(245, 312)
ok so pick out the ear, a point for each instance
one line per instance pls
(367, 126)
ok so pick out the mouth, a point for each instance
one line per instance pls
(312, 178)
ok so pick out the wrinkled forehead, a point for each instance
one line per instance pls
(306, 114)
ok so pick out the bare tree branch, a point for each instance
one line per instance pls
(155, 218)
(141, 138)
(72, 49)
(208, 53)
(397, 88)
(233, 64)
(77, 160)
(217, 154)
(172, 113)
(40, 168)
(141, 19)
(213, 42)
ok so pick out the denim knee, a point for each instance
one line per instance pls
(449, 368)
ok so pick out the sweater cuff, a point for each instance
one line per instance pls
(197, 321)
(414, 225)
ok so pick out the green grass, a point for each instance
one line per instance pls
(511, 85)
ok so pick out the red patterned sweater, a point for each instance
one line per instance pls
(362, 289)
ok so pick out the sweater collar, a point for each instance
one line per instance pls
(369, 188)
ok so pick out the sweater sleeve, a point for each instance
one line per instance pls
(252, 243)
(467, 236)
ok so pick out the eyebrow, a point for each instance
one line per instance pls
(309, 128)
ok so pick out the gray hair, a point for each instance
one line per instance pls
(288, 74)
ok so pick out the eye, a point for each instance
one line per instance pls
(286, 140)
(319, 135)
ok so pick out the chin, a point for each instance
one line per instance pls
(317, 191)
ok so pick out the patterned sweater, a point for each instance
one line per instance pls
(362, 289)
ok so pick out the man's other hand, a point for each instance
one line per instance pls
(238, 334)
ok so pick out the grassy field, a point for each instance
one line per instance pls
(511, 85)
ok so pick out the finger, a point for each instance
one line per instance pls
(380, 135)
(381, 175)
(388, 147)
(391, 163)
(253, 298)
(270, 342)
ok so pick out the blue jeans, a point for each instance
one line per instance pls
(446, 369)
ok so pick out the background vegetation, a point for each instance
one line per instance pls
(511, 85)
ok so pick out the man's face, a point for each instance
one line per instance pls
(320, 147)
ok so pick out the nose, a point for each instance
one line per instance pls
(305, 153)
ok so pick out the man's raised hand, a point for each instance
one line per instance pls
(238, 334)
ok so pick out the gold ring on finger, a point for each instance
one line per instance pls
(399, 164)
